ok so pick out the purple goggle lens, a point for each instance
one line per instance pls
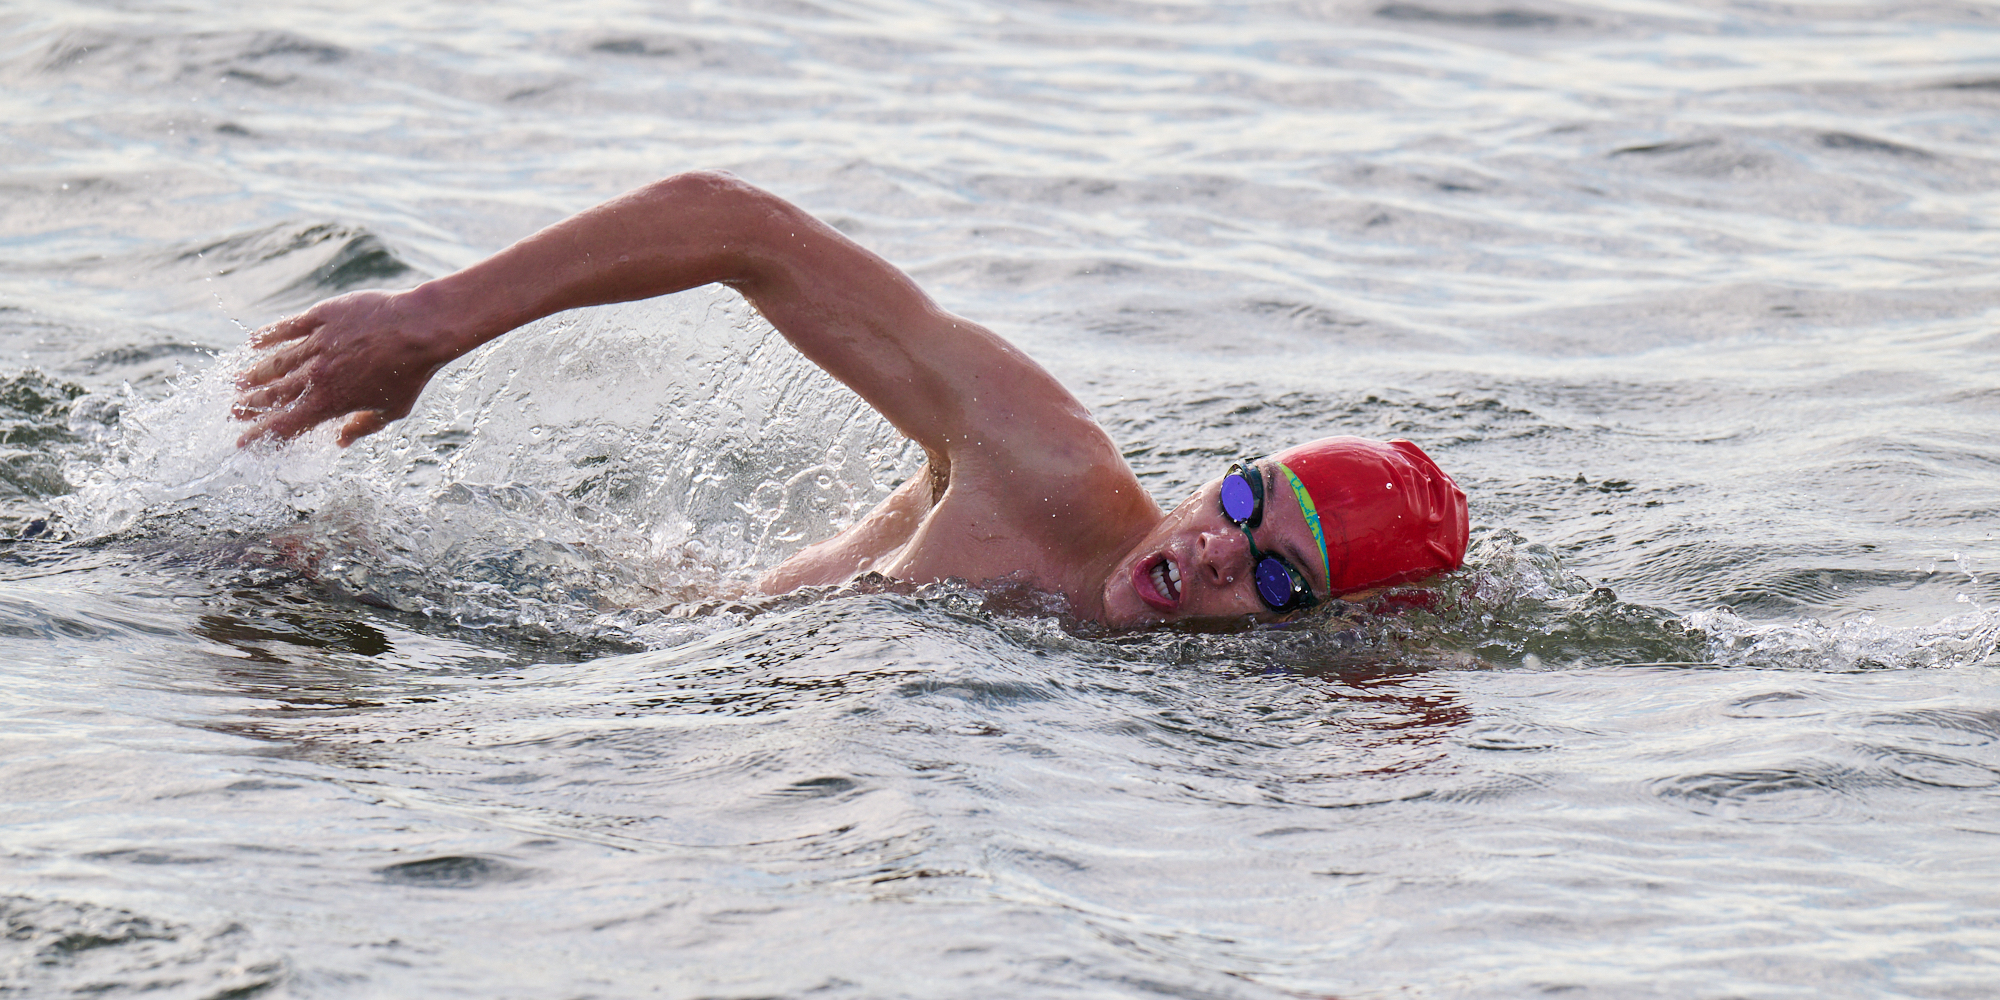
(1278, 585)
(1240, 500)
(1274, 583)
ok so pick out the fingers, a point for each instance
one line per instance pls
(282, 425)
(289, 328)
(253, 403)
(273, 366)
(285, 425)
(282, 409)
(360, 425)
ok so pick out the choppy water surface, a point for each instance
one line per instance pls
(1697, 300)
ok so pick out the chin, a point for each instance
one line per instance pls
(1124, 609)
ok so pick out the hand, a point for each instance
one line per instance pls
(365, 356)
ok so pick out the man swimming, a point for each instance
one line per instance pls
(1020, 485)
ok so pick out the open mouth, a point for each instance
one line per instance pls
(1163, 579)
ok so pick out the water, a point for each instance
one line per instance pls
(1695, 299)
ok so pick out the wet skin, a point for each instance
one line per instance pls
(1210, 555)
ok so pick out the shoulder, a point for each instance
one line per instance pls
(1050, 471)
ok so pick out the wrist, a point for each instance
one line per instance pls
(449, 318)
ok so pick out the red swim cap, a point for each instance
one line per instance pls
(1389, 514)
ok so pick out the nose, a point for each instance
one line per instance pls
(1225, 555)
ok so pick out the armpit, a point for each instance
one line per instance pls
(938, 467)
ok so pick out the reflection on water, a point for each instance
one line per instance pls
(1692, 297)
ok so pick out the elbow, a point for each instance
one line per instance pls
(734, 226)
(707, 191)
(702, 181)
(759, 233)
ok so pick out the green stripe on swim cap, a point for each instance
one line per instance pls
(1311, 512)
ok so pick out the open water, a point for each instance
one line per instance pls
(1698, 300)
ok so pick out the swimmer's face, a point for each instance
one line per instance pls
(1197, 562)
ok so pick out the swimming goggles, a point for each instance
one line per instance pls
(1282, 588)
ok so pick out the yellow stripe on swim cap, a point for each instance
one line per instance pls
(1312, 516)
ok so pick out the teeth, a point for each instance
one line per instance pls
(1174, 575)
(1167, 579)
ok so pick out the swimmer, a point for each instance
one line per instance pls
(1020, 485)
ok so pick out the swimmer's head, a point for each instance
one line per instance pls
(1329, 518)
(1385, 513)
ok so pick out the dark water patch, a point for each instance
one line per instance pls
(62, 930)
(454, 871)
(1663, 148)
(1712, 159)
(1864, 144)
(226, 256)
(254, 79)
(33, 395)
(362, 260)
(985, 692)
(1986, 83)
(269, 44)
(140, 856)
(308, 651)
(52, 948)
(349, 257)
(687, 49)
(511, 779)
(1307, 314)
(258, 785)
(1505, 18)
(315, 630)
(831, 786)
(141, 361)
(28, 529)
(35, 438)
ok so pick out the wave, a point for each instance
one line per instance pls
(591, 473)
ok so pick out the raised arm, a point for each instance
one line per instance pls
(938, 378)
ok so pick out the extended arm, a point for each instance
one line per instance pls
(367, 355)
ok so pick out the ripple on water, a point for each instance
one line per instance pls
(1941, 726)
(1775, 705)
(1936, 748)
(1937, 770)
(1513, 736)
(1810, 791)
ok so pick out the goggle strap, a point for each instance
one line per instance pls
(1312, 515)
